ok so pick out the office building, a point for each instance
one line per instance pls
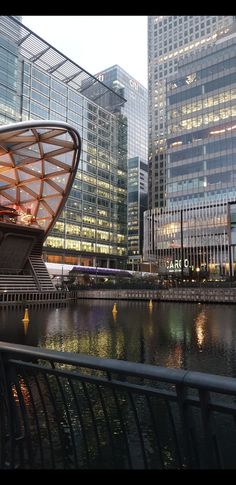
(195, 233)
(137, 204)
(135, 110)
(171, 38)
(39, 82)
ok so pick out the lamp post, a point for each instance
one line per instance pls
(64, 248)
(96, 278)
(182, 245)
(198, 274)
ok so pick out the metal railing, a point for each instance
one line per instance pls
(64, 410)
(31, 297)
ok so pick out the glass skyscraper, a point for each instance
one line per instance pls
(135, 110)
(201, 126)
(39, 82)
(197, 227)
(171, 38)
(137, 204)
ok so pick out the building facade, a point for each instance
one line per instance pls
(171, 38)
(38, 82)
(137, 204)
(195, 242)
(135, 110)
(196, 227)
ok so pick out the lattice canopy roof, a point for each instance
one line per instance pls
(38, 162)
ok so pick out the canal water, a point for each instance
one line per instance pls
(191, 336)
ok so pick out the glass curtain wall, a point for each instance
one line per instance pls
(93, 224)
(192, 240)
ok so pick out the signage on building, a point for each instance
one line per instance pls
(176, 265)
(100, 77)
(133, 84)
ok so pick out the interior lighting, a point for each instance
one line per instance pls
(217, 132)
(177, 143)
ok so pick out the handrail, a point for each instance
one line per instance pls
(68, 410)
(35, 276)
(194, 379)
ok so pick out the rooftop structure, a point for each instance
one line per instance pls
(35, 49)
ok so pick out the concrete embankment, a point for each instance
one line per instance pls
(203, 295)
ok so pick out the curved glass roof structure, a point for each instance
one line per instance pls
(38, 162)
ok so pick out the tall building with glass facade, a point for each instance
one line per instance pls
(171, 38)
(137, 204)
(9, 80)
(196, 230)
(39, 82)
(135, 110)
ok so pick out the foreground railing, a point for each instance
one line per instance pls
(64, 410)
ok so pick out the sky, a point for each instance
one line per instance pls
(97, 42)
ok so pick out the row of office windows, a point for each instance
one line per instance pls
(45, 111)
(213, 163)
(201, 120)
(210, 86)
(202, 104)
(195, 198)
(226, 144)
(198, 182)
(223, 130)
(56, 90)
(207, 71)
(61, 243)
(66, 228)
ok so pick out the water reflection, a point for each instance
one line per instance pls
(190, 336)
(200, 328)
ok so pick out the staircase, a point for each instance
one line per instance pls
(39, 269)
(17, 283)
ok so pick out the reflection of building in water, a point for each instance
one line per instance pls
(200, 324)
(175, 358)
(38, 416)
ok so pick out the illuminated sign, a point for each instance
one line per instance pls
(176, 264)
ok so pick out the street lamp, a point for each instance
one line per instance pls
(198, 273)
(182, 245)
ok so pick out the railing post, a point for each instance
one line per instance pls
(212, 452)
(186, 424)
(10, 430)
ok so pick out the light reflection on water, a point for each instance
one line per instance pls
(191, 336)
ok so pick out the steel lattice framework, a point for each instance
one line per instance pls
(45, 56)
(38, 162)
